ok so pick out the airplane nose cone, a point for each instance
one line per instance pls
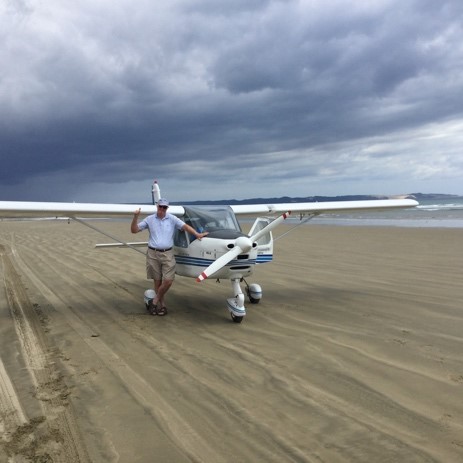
(244, 243)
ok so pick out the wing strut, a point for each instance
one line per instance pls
(83, 222)
(310, 217)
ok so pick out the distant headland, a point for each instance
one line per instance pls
(312, 199)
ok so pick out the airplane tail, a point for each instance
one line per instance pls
(155, 192)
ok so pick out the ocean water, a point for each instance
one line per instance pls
(438, 213)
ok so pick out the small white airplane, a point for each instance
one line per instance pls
(226, 252)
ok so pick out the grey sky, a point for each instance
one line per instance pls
(229, 99)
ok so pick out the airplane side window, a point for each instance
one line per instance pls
(196, 224)
(265, 239)
(180, 239)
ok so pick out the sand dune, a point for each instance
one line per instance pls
(353, 355)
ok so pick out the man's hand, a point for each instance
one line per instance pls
(200, 236)
(191, 230)
(134, 225)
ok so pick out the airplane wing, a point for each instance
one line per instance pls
(322, 207)
(31, 209)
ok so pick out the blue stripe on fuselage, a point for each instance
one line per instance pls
(264, 258)
(199, 262)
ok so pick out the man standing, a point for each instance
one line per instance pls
(160, 260)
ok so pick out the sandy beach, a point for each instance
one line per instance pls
(353, 355)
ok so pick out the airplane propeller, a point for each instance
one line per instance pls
(242, 244)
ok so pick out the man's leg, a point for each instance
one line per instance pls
(154, 272)
(167, 261)
(161, 289)
(161, 269)
(157, 285)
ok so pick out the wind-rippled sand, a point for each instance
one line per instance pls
(353, 355)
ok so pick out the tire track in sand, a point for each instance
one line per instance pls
(54, 435)
(191, 443)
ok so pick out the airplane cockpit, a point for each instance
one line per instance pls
(219, 221)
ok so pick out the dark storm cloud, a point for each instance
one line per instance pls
(105, 93)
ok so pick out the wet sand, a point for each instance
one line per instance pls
(354, 353)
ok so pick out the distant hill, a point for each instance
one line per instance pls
(419, 196)
(319, 199)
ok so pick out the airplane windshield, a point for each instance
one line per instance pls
(211, 218)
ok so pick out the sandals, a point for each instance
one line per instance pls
(161, 311)
(153, 309)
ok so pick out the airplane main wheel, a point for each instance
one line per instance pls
(236, 319)
(252, 300)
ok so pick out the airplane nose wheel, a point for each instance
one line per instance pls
(235, 304)
(235, 318)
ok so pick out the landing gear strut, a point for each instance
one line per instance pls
(235, 304)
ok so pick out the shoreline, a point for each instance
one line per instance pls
(394, 223)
